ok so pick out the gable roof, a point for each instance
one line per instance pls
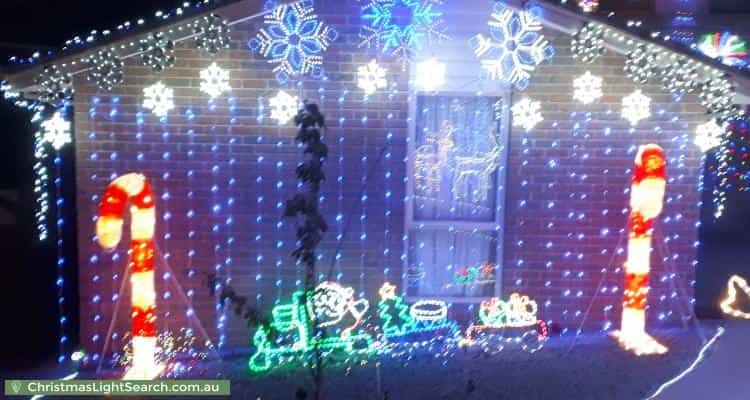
(562, 15)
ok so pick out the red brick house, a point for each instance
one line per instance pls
(423, 181)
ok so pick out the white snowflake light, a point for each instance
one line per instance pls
(588, 43)
(284, 107)
(709, 135)
(371, 77)
(215, 81)
(56, 131)
(641, 64)
(587, 88)
(430, 74)
(717, 95)
(636, 107)
(159, 99)
(515, 47)
(527, 113)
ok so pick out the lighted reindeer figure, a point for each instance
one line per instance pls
(432, 157)
(476, 172)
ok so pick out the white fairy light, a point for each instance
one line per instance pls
(641, 64)
(56, 131)
(587, 88)
(430, 74)
(527, 113)
(709, 135)
(284, 107)
(215, 81)
(371, 77)
(159, 99)
(636, 107)
(588, 43)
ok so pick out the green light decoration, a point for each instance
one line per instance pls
(471, 275)
(289, 335)
(399, 319)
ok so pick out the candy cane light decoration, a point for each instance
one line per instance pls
(136, 189)
(646, 201)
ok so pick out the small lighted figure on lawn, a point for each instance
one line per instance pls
(646, 202)
(729, 304)
(430, 75)
(587, 88)
(284, 107)
(527, 114)
(518, 312)
(399, 319)
(56, 131)
(215, 81)
(371, 77)
(636, 107)
(159, 99)
(709, 135)
(292, 332)
(134, 188)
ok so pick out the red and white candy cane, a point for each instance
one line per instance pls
(646, 202)
(134, 188)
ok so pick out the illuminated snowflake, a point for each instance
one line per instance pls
(284, 107)
(709, 135)
(371, 77)
(515, 47)
(527, 114)
(636, 107)
(681, 76)
(717, 95)
(56, 131)
(215, 81)
(430, 74)
(159, 99)
(588, 43)
(55, 86)
(399, 27)
(293, 39)
(587, 88)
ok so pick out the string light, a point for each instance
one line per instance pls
(159, 99)
(588, 6)
(473, 175)
(641, 64)
(215, 81)
(430, 75)
(527, 114)
(371, 77)
(516, 45)
(636, 107)
(331, 302)
(587, 88)
(211, 33)
(56, 131)
(157, 51)
(717, 95)
(681, 76)
(431, 158)
(725, 47)
(709, 135)
(283, 107)
(587, 44)
(105, 69)
(728, 303)
(56, 86)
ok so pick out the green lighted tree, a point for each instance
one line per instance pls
(393, 312)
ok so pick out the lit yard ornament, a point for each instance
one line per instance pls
(291, 335)
(431, 158)
(473, 176)
(211, 33)
(159, 99)
(587, 88)
(293, 40)
(709, 135)
(728, 304)
(527, 114)
(399, 320)
(430, 75)
(515, 47)
(56, 131)
(588, 43)
(371, 77)
(215, 81)
(636, 107)
(284, 107)
(725, 47)
(135, 189)
(400, 27)
(105, 69)
(646, 202)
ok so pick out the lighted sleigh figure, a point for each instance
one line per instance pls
(291, 333)
(401, 321)
(513, 321)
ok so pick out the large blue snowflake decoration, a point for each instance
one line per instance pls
(398, 27)
(293, 39)
(515, 47)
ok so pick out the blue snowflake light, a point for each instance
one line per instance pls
(515, 47)
(293, 39)
(398, 27)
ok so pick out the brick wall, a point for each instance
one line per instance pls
(223, 171)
